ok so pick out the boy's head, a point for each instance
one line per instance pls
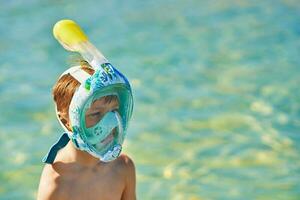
(94, 107)
(94, 102)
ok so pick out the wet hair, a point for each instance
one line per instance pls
(63, 91)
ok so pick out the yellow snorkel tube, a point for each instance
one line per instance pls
(72, 38)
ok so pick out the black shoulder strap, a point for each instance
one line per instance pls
(61, 143)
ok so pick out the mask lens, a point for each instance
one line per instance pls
(104, 120)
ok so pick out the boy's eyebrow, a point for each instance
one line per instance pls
(98, 110)
(101, 107)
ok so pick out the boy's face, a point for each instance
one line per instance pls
(98, 109)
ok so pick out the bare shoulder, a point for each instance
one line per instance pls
(125, 164)
(48, 187)
(124, 167)
(125, 161)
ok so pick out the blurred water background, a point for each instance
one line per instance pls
(216, 88)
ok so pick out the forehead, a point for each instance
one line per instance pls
(104, 101)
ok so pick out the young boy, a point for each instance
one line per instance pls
(83, 164)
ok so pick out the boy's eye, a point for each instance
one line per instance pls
(97, 114)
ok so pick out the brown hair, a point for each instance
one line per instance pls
(64, 89)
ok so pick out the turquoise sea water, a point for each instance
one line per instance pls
(216, 88)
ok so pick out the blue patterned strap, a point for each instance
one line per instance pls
(61, 143)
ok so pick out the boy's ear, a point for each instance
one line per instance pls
(64, 119)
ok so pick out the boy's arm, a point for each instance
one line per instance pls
(129, 191)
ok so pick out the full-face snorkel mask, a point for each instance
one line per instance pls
(104, 137)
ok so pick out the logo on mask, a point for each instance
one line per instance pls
(98, 130)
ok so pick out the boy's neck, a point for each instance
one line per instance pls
(71, 154)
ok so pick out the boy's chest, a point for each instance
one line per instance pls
(92, 187)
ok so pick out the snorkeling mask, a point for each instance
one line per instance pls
(104, 138)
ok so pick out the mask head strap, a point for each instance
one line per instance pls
(79, 74)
